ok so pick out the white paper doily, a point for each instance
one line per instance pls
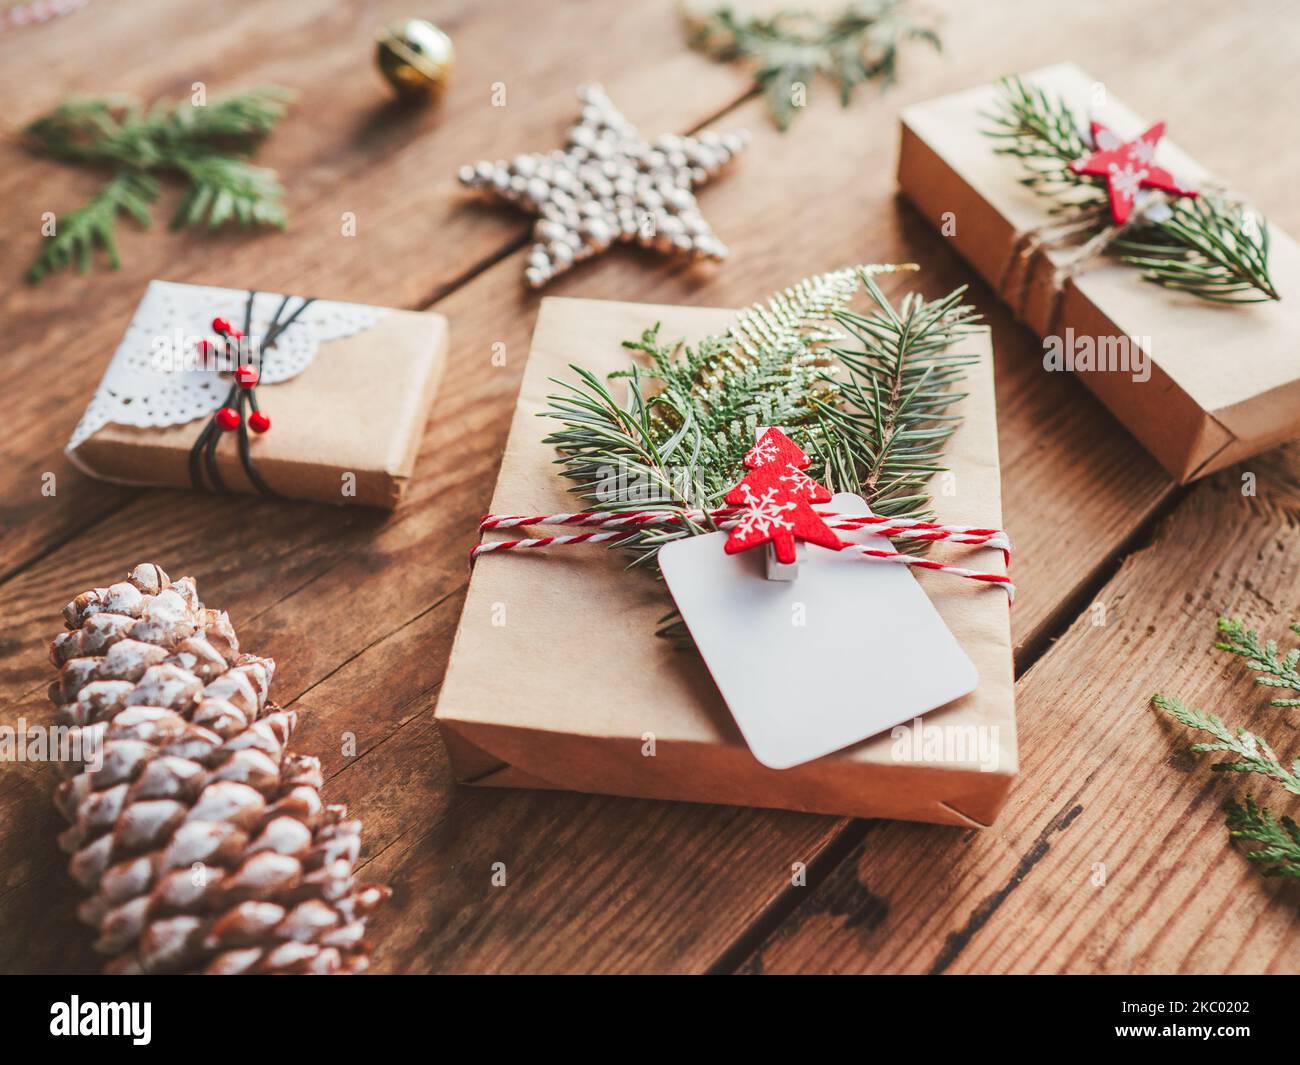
(146, 384)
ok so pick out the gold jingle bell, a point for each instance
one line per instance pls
(415, 58)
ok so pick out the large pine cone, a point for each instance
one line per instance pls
(205, 847)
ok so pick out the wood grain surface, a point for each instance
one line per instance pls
(359, 608)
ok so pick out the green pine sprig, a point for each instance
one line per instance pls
(1279, 837)
(1212, 247)
(857, 44)
(868, 397)
(207, 145)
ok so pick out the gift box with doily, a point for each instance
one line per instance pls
(226, 390)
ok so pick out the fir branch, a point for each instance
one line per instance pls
(222, 189)
(77, 234)
(1212, 247)
(206, 145)
(857, 44)
(886, 434)
(1250, 753)
(873, 416)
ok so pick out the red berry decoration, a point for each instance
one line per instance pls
(247, 376)
(228, 418)
(259, 422)
(222, 326)
(206, 348)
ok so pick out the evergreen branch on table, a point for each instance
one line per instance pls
(1277, 672)
(222, 189)
(1279, 852)
(1212, 247)
(1250, 753)
(872, 415)
(77, 234)
(856, 44)
(207, 145)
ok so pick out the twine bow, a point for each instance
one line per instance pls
(242, 398)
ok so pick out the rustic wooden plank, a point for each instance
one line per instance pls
(1111, 856)
(417, 230)
(353, 584)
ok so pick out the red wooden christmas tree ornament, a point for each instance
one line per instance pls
(777, 452)
(776, 506)
(1127, 167)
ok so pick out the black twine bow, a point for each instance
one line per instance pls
(242, 399)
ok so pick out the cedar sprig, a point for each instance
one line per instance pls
(207, 145)
(856, 44)
(1275, 671)
(1213, 247)
(1279, 837)
(866, 396)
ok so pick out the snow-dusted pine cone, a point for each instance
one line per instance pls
(204, 845)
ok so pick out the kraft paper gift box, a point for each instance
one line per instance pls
(345, 429)
(557, 679)
(1224, 380)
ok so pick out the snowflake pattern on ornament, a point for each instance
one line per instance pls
(1142, 152)
(763, 514)
(1128, 167)
(1126, 180)
(762, 453)
(801, 484)
(776, 504)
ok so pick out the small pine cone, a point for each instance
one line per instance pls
(203, 845)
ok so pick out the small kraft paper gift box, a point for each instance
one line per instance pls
(219, 389)
(557, 678)
(1201, 384)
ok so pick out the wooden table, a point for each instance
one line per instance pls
(1111, 854)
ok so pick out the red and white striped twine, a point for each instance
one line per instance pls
(621, 526)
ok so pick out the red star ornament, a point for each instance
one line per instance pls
(1127, 167)
(774, 512)
(777, 452)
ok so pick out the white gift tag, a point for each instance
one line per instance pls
(808, 666)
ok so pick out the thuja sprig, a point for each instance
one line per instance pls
(868, 401)
(1279, 837)
(1213, 247)
(207, 145)
(1263, 658)
(858, 43)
